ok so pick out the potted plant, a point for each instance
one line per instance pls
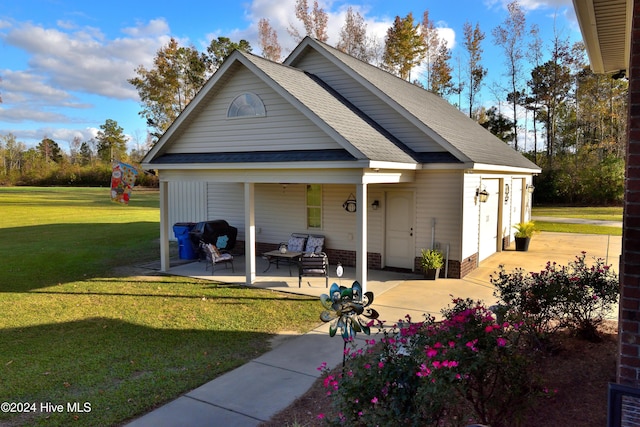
(431, 263)
(524, 232)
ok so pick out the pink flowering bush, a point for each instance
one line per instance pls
(593, 292)
(465, 368)
(577, 296)
(479, 361)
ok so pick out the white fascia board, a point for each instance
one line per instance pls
(388, 176)
(483, 167)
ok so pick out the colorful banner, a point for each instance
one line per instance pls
(123, 179)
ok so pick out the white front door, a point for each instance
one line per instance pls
(488, 244)
(517, 202)
(399, 229)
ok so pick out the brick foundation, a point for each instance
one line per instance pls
(456, 270)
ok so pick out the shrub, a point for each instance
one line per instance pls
(591, 294)
(466, 367)
(577, 296)
(532, 299)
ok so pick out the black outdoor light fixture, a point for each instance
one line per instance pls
(350, 204)
(530, 188)
(375, 205)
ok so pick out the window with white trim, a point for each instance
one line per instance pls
(314, 206)
(246, 105)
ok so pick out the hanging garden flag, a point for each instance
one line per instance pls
(123, 179)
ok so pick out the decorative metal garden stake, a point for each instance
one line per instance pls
(344, 308)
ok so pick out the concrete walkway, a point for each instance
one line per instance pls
(256, 391)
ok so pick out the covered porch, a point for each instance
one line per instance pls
(251, 204)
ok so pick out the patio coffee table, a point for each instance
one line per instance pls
(274, 257)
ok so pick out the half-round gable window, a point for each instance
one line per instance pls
(246, 105)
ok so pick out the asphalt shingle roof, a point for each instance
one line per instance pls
(463, 133)
(369, 139)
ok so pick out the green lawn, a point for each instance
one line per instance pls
(600, 213)
(74, 330)
(591, 213)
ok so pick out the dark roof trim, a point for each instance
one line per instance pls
(436, 157)
(375, 125)
(255, 157)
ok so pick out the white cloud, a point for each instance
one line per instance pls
(26, 114)
(155, 27)
(530, 4)
(82, 60)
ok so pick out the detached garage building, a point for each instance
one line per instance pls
(327, 144)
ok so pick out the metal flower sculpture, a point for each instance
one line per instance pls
(345, 307)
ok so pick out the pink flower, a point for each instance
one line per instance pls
(374, 400)
(432, 352)
(320, 416)
(380, 365)
(501, 342)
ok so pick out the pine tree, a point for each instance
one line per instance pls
(404, 47)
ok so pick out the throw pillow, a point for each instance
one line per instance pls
(222, 241)
(314, 244)
(296, 244)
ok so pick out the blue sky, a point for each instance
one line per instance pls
(64, 64)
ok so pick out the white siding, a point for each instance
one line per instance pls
(281, 210)
(283, 128)
(187, 202)
(379, 111)
(439, 211)
(226, 201)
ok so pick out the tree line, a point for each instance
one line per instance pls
(86, 163)
(548, 105)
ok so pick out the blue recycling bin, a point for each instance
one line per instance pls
(185, 247)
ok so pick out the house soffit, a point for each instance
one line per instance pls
(606, 31)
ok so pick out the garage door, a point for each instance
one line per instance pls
(489, 219)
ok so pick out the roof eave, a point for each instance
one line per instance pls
(588, 14)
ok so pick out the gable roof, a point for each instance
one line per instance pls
(361, 138)
(461, 135)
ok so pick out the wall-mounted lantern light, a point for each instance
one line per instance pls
(350, 204)
(375, 205)
(482, 195)
(530, 188)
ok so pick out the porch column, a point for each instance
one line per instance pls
(361, 236)
(165, 260)
(250, 232)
